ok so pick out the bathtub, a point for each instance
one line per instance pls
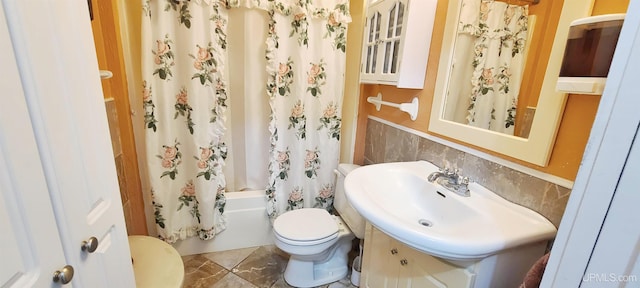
(247, 226)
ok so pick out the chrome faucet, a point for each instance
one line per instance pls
(451, 180)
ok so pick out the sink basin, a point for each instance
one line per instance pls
(397, 199)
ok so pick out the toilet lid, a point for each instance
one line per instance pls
(307, 224)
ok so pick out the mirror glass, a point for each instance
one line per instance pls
(492, 41)
(497, 73)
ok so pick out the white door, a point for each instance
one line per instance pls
(596, 215)
(619, 236)
(30, 248)
(615, 261)
(53, 46)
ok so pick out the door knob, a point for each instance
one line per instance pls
(63, 276)
(404, 262)
(90, 245)
(394, 251)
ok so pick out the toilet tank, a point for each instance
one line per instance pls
(350, 216)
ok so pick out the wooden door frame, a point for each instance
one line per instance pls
(110, 57)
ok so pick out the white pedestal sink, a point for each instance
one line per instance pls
(480, 232)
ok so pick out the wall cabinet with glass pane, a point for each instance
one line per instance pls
(396, 42)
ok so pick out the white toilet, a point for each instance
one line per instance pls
(155, 263)
(317, 241)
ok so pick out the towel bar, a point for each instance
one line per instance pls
(411, 108)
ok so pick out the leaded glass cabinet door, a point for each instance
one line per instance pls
(392, 39)
(382, 42)
(371, 45)
(396, 42)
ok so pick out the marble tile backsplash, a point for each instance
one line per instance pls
(384, 143)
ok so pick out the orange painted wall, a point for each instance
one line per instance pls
(577, 120)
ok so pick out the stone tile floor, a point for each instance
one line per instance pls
(248, 267)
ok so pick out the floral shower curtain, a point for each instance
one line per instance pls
(500, 33)
(306, 63)
(184, 53)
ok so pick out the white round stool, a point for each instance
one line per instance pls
(155, 263)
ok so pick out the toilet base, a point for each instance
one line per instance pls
(301, 273)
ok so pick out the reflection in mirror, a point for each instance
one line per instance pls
(488, 64)
(533, 90)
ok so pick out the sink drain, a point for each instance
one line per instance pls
(425, 222)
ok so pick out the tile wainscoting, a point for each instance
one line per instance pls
(384, 143)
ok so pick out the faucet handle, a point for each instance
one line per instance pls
(449, 172)
(464, 181)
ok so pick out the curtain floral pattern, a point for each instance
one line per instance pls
(500, 33)
(185, 99)
(305, 62)
(184, 94)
